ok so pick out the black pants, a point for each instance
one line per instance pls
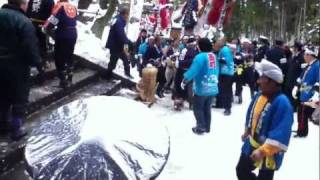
(202, 111)
(225, 91)
(14, 92)
(179, 92)
(114, 56)
(249, 78)
(42, 39)
(161, 78)
(304, 114)
(246, 166)
(63, 56)
(239, 80)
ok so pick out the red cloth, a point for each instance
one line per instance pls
(153, 19)
(164, 15)
(215, 12)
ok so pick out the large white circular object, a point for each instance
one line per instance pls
(98, 138)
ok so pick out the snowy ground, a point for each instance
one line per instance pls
(215, 155)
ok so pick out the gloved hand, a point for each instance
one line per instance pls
(295, 92)
(304, 65)
(140, 58)
(177, 64)
(163, 63)
(283, 60)
(183, 85)
(316, 87)
(44, 30)
(313, 101)
(126, 49)
(222, 61)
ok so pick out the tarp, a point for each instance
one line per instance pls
(98, 138)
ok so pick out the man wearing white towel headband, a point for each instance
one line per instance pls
(267, 127)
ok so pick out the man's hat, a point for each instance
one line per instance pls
(272, 71)
(151, 37)
(263, 38)
(310, 51)
(191, 39)
(185, 37)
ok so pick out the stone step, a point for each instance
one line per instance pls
(41, 96)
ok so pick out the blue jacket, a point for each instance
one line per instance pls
(143, 48)
(204, 71)
(228, 68)
(181, 46)
(274, 126)
(309, 78)
(117, 37)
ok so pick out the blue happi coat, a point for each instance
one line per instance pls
(227, 68)
(273, 128)
(204, 71)
(309, 78)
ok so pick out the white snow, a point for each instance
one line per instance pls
(136, 9)
(2, 2)
(215, 155)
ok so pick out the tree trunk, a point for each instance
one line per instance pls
(99, 24)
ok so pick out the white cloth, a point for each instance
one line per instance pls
(270, 70)
(294, 92)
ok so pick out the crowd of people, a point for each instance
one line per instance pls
(281, 81)
(174, 56)
(199, 70)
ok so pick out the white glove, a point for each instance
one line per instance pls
(315, 97)
(304, 65)
(183, 85)
(294, 92)
(140, 58)
(126, 49)
(237, 57)
(177, 63)
(43, 30)
(313, 100)
(283, 60)
(163, 63)
(167, 60)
